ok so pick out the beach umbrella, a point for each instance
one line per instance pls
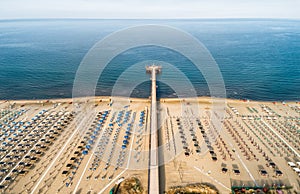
(125, 142)
(126, 137)
(3, 170)
(91, 142)
(84, 152)
(88, 147)
(123, 146)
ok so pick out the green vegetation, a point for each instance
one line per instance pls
(130, 186)
(198, 188)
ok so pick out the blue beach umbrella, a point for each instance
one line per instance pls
(85, 152)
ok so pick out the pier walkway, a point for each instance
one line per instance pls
(153, 187)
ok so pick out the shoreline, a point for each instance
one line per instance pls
(107, 98)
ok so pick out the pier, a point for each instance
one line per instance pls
(153, 187)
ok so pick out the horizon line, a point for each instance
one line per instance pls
(194, 18)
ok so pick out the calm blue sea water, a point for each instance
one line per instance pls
(259, 59)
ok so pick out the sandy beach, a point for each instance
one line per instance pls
(87, 145)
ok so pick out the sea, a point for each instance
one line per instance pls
(259, 59)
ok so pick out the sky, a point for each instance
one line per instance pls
(156, 9)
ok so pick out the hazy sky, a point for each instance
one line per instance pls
(149, 9)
